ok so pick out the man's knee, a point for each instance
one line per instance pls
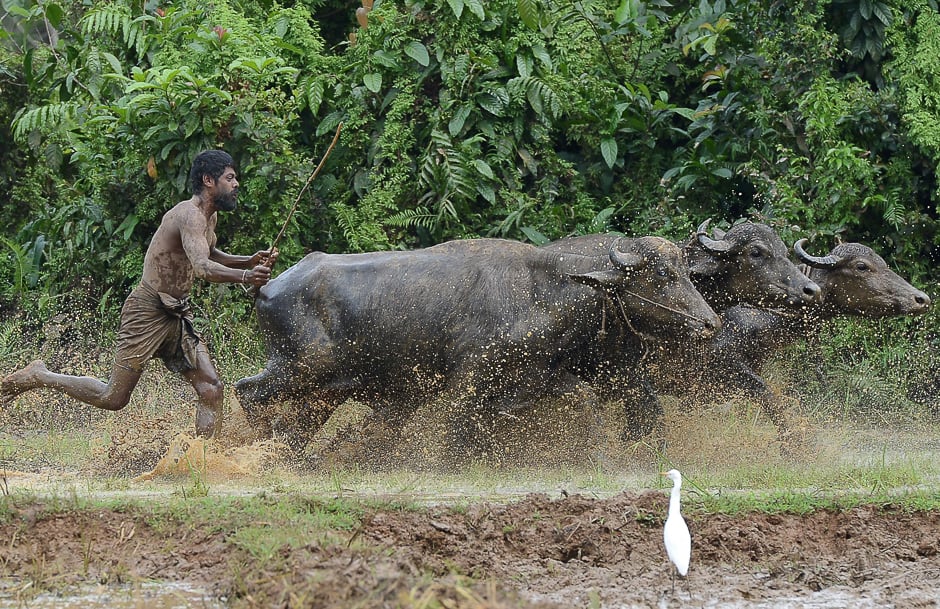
(210, 391)
(115, 401)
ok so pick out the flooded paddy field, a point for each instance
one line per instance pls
(126, 510)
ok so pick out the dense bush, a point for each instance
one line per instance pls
(515, 118)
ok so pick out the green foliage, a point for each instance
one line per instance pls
(512, 118)
(130, 94)
(916, 45)
(861, 25)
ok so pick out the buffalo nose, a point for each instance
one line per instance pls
(711, 326)
(812, 293)
(922, 300)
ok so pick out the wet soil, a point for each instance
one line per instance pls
(537, 551)
(509, 550)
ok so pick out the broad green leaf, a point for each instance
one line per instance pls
(540, 53)
(384, 58)
(16, 10)
(457, 7)
(460, 117)
(534, 95)
(113, 62)
(722, 172)
(534, 236)
(373, 82)
(491, 104)
(528, 160)
(476, 7)
(54, 14)
(483, 168)
(529, 13)
(710, 45)
(166, 150)
(883, 12)
(126, 227)
(140, 84)
(314, 95)
(609, 151)
(418, 52)
(486, 191)
(627, 11)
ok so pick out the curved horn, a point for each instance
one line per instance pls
(716, 247)
(824, 262)
(623, 260)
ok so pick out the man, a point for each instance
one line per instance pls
(156, 319)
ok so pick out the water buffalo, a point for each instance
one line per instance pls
(481, 324)
(747, 264)
(855, 281)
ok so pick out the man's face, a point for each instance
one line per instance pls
(226, 190)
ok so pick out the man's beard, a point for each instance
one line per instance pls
(227, 201)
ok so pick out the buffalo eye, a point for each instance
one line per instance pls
(756, 252)
(862, 265)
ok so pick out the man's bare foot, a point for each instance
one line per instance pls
(22, 380)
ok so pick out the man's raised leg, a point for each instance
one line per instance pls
(113, 395)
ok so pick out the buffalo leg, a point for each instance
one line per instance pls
(642, 412)
(757, 388)
(256, 393)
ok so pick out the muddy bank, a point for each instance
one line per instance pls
(539, 551)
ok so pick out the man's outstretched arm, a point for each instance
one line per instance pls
(196, 245)
(264, 257)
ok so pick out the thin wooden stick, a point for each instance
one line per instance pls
(304, 189)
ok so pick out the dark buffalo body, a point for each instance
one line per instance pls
(481, 322)
(855, 281)
(747, 264)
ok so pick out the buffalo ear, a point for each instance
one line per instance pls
(606, 281)
(703, 265)
(718, 234)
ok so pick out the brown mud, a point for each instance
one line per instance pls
(525, 547)
(538, 551)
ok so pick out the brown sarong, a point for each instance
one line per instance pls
(157, 324)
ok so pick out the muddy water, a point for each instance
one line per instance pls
(166, 595)
(824, 599)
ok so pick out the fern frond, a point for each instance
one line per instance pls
(43, 118)
(108, 19)
(539, 95)
(892, 210)
(310, 91)
(420, 216)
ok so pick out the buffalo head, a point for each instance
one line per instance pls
(857, 281)
(748, 264)
(649, 284)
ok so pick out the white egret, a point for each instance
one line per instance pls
(676, 535)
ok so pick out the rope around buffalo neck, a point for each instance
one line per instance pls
(655, 304)
(643, 336)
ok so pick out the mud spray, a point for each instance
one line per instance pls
(189, 456)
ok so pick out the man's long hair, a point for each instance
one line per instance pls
(211, 163)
